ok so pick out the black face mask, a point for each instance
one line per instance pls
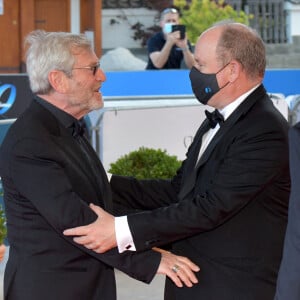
(205, 85)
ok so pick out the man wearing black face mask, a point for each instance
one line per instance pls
(205, 85)
(226, 208)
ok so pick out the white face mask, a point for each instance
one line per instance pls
(167, 28)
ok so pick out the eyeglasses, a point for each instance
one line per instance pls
(94, 69)
(170, 10)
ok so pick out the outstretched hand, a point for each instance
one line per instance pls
(98, 236)
(178, 268)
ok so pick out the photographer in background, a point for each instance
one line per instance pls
(167, 48)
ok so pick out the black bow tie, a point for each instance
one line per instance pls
(214, 118)
(78, 129)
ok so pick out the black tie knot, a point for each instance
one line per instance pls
(78, 129)
(214, 118)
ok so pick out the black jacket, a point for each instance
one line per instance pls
(229, 216)
(48, 185)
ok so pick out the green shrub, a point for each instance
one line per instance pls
(146, 163)
(199, 15)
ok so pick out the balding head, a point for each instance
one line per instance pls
(240, 42)
(235, 54)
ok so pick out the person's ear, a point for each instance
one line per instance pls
(235, 68)
(58, 80)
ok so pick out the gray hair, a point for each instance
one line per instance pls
(242, 43)
(49, 51)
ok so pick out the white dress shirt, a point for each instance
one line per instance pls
(123, 234)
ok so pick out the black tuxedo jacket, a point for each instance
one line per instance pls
(288, 283)
(48, 185)
(229, 214)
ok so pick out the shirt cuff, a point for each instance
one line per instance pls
(123, 235)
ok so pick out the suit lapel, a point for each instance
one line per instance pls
(93, 174)
(69, 145)
(241, 110)
(99, 176)
(195, 148)
(65, 141)
(191, 169)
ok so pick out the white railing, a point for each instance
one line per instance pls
(165, 122)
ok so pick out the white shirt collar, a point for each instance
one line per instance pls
(230, 108)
